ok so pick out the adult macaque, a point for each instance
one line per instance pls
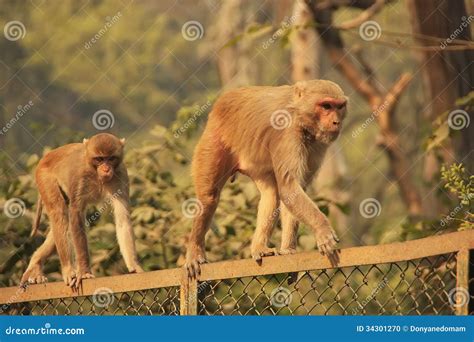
(278, 137)
(68, 179)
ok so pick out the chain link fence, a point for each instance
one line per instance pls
(436, 284)
(415, 287)
(162, 301)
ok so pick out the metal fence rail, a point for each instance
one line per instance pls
(419, 277)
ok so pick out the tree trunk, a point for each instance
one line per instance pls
(305, 45)
(447, 75)
(234, 62)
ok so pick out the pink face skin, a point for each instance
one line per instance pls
(106, 172)
(104, 152)
(105, 167)
(330, 113)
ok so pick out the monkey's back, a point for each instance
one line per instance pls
(61, 155)
(242, 118)
(62, 162)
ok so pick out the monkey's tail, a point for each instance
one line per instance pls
(36, 222)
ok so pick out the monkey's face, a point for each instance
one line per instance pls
(105, 166)
(104, 152)
(329, 115)
(321, 108)
(324, 119)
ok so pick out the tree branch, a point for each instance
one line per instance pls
(362, 17)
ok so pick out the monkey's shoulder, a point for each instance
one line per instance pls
(255, 91)
(254, 99)
(68, 148)
(69, 152)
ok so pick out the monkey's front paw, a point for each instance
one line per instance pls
(287, 251)
(33, 276)
(260, 252)
(194, 266)
(327, 241)
(194, 259)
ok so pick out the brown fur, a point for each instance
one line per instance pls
(239, 137)
(68, 179)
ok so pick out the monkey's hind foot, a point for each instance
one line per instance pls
(77, 280)
(262, 251)
(136, 269)
(287, 251)
(33, 275)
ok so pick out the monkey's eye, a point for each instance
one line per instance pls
(326, 105)
(113, 159)
(341, 106)
(98, 160)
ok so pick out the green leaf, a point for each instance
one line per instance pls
(438, 137)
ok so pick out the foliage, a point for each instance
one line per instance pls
(441, 132)
(459, 183)
(121, 57)
(459, 215)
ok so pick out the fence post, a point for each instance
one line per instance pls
(462, 282)
(188, 295)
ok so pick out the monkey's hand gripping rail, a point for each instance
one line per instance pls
(425, 276)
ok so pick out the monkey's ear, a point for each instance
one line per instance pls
(122, 141)
(84, 141)
(300, 88)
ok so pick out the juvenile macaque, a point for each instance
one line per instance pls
(68, 179)
(278, 137)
